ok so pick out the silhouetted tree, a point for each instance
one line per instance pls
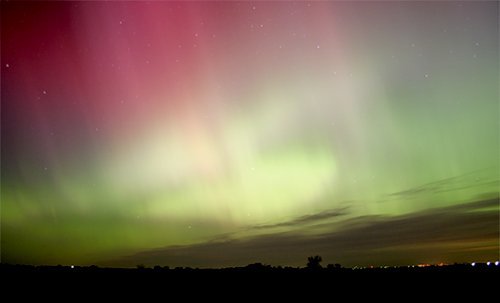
(314, 262)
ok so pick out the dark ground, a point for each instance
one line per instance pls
(253, 282)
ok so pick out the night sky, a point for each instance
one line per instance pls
(215, 134)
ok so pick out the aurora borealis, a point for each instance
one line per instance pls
(226, 133)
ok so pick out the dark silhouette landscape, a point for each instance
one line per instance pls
(254, 279)
(313, 266)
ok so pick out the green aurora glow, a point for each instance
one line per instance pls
(128, 127)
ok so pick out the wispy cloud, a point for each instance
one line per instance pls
(475, 179)
(455, 233)
(307, 219)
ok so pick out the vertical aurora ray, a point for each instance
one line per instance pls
(128, 126)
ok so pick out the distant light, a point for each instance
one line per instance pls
(473, 264)
(72, 266)
(496, 263)
(488, 263)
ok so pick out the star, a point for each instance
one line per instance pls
(7, 65)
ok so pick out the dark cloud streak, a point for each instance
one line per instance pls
(469, 180)
(303, 220)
